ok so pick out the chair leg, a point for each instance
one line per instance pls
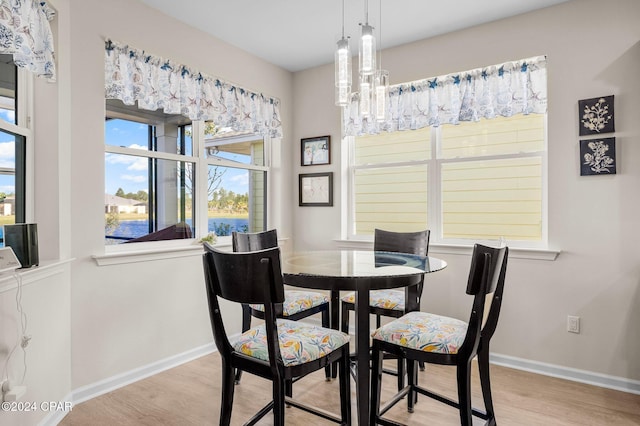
(344, 319)
(411, 376)
(485, 382)
(378, 322)
(464, 393)
(228, 386)
(278, 401)
(376, 385)
(327, 324)
(401, 372)
(288, 388)
(345, 387)
(246, 324)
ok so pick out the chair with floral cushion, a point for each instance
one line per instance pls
(420, 336)
(394, 302)
(297, 304)
(278, 350)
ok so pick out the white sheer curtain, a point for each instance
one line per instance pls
(499, 90)
(26, 34)
(133, 75)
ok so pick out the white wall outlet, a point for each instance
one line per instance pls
(573, 324)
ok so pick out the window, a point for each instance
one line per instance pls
(14, 137)
(473, 181)
(155, 170)
(236, 184)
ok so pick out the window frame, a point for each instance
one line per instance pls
(201, 163)
(434, 190)
(24, 178)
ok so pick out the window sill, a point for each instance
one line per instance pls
(9, 281)
(144, 252)
(156, 250)
(514, 252)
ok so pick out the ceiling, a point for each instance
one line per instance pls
(300, 34)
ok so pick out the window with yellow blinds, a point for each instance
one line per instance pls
(473, 181)
(390, 181)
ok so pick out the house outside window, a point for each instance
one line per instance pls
(15, 135)
(475, 181)
(156, 167)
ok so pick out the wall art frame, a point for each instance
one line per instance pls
(598, 157)
(596, 116)
(315, 189)
(315, 151)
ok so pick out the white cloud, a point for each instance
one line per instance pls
(7, 154)
(241, 179)
(134, 178)
(140, 165)
(11, 115)
(132, 163)
(136, 146)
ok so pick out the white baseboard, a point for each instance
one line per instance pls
(93, 390)
(568, 373)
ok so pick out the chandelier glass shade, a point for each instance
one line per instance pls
(343, 72)
(381, 94)
(367, 51)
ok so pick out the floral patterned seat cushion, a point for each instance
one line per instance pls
(387, 299)
(299, 342)
(425, 332)
(298, 301)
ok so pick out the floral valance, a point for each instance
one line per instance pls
(26, 34)
(499, 90)
(133, 75)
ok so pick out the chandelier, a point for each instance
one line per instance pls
(373, 82)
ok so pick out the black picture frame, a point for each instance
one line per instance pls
(315, 189)
(596, 116)
(315, 151)
(598, 157)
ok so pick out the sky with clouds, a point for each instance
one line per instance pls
(130, 173)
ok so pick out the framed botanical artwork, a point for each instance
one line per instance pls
(316, 189)
(315, 151)
(598, 157)
(596, 116)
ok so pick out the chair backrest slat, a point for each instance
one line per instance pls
(242, 277)
(402, 242)
(252, 241)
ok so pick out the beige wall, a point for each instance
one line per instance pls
(593, 49)
(127, 316)
(93, 323)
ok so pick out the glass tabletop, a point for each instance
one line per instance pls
(358, 264)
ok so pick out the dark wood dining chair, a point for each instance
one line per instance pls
(298, 304)
(420, 336)
(394, 302)
(278, 350)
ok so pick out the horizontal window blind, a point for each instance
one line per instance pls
(498, 136)
(392, 198)
(493, 198)
(393, 147)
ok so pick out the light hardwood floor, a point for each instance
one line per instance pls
(190, 395)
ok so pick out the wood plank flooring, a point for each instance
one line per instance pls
(190, 395)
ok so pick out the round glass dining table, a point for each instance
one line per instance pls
(359, 271)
